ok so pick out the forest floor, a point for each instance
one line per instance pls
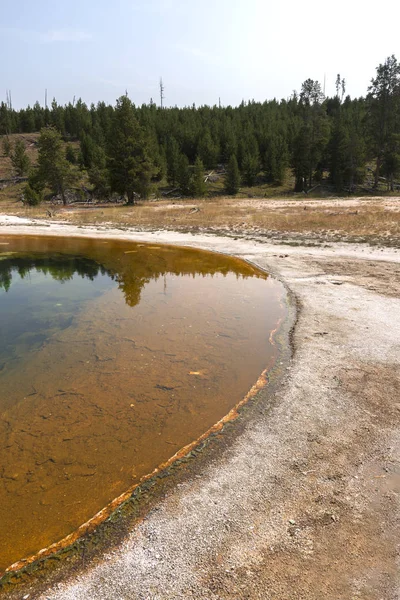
(304, 504)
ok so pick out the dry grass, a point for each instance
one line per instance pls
(360, 217)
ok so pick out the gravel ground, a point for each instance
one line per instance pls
(305, 504)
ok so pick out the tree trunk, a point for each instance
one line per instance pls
(131, 198)
(377, 170)
(299, 185)
(64, 199)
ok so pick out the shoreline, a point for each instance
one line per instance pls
(303, 504)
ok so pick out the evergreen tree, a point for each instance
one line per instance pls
(249, 156)
(158, 155)
(53, 169)
(5, 119)
(270, 160)
(301, 158)
(128, 160)
(98, 135)
(391, 161)
(356, 166)
(198, 186)
(232, 178)
(338, 144)
(282, 160)
(57, 116)
(251, 166)
(311, 93)
(228, 141)
(173, 159)
(70, 154)
(87, 147)
(160, 164)
(82, 119)
(208, 150)
(276, 159)
(338, 155)
(98, 174)
(184, 175)
(313, 134)
(384, 112)
(19, 159)
(346, 150)
(38, 117)
(6, 146)
(26, 120)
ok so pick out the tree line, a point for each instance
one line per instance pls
(129, 150)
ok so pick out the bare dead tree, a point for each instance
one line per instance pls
(8, 99)
(162, 89)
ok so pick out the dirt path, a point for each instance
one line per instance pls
(305, 504)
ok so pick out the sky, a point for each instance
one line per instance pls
(205, 50)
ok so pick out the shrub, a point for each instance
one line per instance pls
(31, 196)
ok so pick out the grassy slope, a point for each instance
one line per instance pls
(30, 141)
(10, 194)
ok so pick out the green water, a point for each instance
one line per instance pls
(39, 296)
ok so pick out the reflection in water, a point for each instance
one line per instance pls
(113, 356)
(59, 267)
(32, 310)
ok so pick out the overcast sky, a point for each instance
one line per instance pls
(203, 49)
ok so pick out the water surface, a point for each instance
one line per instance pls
(113, 356)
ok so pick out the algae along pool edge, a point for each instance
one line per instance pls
(114, 356)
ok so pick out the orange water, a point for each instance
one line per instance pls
(104, 378)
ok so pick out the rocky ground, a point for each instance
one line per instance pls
(305, 503)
